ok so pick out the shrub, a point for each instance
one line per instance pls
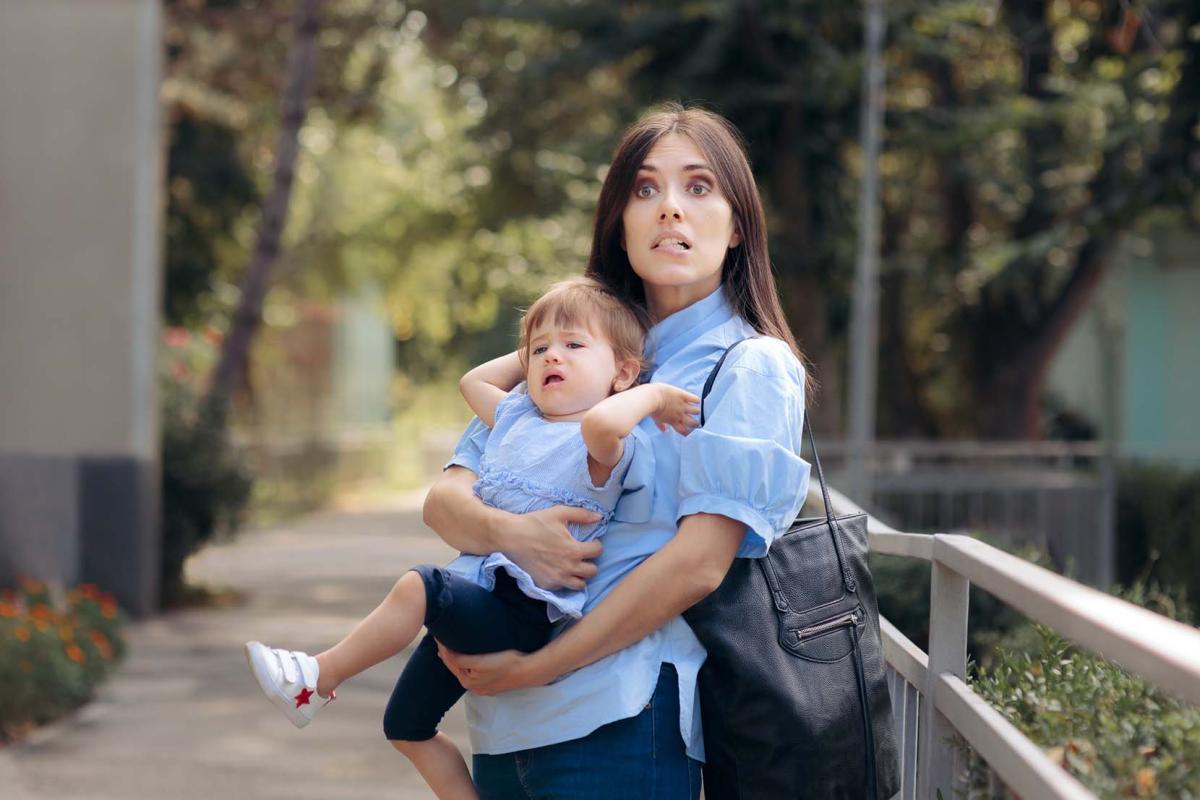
(53, 653)
(1158, 526)
(205, 484)
(1116, 734)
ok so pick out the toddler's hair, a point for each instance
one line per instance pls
(584, 301)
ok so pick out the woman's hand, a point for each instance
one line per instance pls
(676, 408)
(541, 544)
(491, 673)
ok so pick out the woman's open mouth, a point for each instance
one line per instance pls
(672, 246)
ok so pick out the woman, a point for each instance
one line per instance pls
(680, 232)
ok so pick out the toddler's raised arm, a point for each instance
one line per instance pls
(606, 425)
(485, 386)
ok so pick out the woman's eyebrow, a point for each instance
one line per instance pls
(687, 168)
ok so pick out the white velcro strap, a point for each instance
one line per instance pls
(287, 662)
(308, 668)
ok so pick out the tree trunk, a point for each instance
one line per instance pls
(298, 85)
(1010, 399)
(803, 295)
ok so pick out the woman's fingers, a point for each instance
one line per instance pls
(451, 660)
(486, 674)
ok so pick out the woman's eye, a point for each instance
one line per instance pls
(699, 189)
(645, 190)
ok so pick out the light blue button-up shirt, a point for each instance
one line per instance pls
(744, 464)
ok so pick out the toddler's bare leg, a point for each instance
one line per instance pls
(384, 632)
(442, 766)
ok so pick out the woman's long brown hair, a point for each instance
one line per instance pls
(746, 274)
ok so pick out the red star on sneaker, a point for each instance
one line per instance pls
(303, 698)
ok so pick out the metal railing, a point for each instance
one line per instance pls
(930, 697)
(1056, 496)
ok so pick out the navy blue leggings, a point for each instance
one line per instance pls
(467, 618)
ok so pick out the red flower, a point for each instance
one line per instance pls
(176, 336)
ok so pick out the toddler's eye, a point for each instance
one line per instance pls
(574, 345)
(537, 351)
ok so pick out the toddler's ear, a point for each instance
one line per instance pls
(627, 375)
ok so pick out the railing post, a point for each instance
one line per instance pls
(948, 601)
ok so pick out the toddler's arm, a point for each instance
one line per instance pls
(607, 423)
(485, 386)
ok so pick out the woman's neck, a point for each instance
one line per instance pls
(663, 301)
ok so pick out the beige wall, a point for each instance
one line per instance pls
(80, 184)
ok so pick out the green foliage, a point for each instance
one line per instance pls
(1116, 734)
(53, 653)
(205, 485)
(1021, 139)
(209, 189)
(454, 150)
(1158, 526)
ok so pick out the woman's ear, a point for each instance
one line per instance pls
(736, 239)
(627, 374)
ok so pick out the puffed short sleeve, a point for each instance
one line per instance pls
(469, 449)
(637, 488)
(744, 462)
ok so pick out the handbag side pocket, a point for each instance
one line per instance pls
(825, 641)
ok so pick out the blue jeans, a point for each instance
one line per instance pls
(640, 758)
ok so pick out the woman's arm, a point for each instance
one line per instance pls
(539, 542)
(486, 385)
(684, 571)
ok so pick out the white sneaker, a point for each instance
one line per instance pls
(289, 679)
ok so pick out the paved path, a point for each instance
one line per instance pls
(183, 719)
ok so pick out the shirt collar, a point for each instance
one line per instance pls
(670, 335)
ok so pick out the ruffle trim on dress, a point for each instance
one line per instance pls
(499, 479)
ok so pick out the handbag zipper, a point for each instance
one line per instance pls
(846, 619)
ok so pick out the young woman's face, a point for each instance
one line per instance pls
(677, 226)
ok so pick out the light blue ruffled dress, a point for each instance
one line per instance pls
(531, 464)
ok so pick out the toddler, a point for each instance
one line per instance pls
(568, 439)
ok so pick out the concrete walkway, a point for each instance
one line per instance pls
(183, 718)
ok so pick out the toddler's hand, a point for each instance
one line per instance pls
(676, 408)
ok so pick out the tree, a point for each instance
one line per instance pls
(297, 88)
(1040, 136)
(1022, 141)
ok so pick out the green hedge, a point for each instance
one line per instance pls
(205, 487)
(1117, 735)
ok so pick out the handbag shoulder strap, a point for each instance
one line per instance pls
(847, 578)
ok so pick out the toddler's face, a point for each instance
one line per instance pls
(572, 368)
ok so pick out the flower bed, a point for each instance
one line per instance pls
(55, 648)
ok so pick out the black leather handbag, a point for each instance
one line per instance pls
(793, 694)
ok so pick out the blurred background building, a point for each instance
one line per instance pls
(81, 189)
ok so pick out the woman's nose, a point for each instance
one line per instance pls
(669, 208)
